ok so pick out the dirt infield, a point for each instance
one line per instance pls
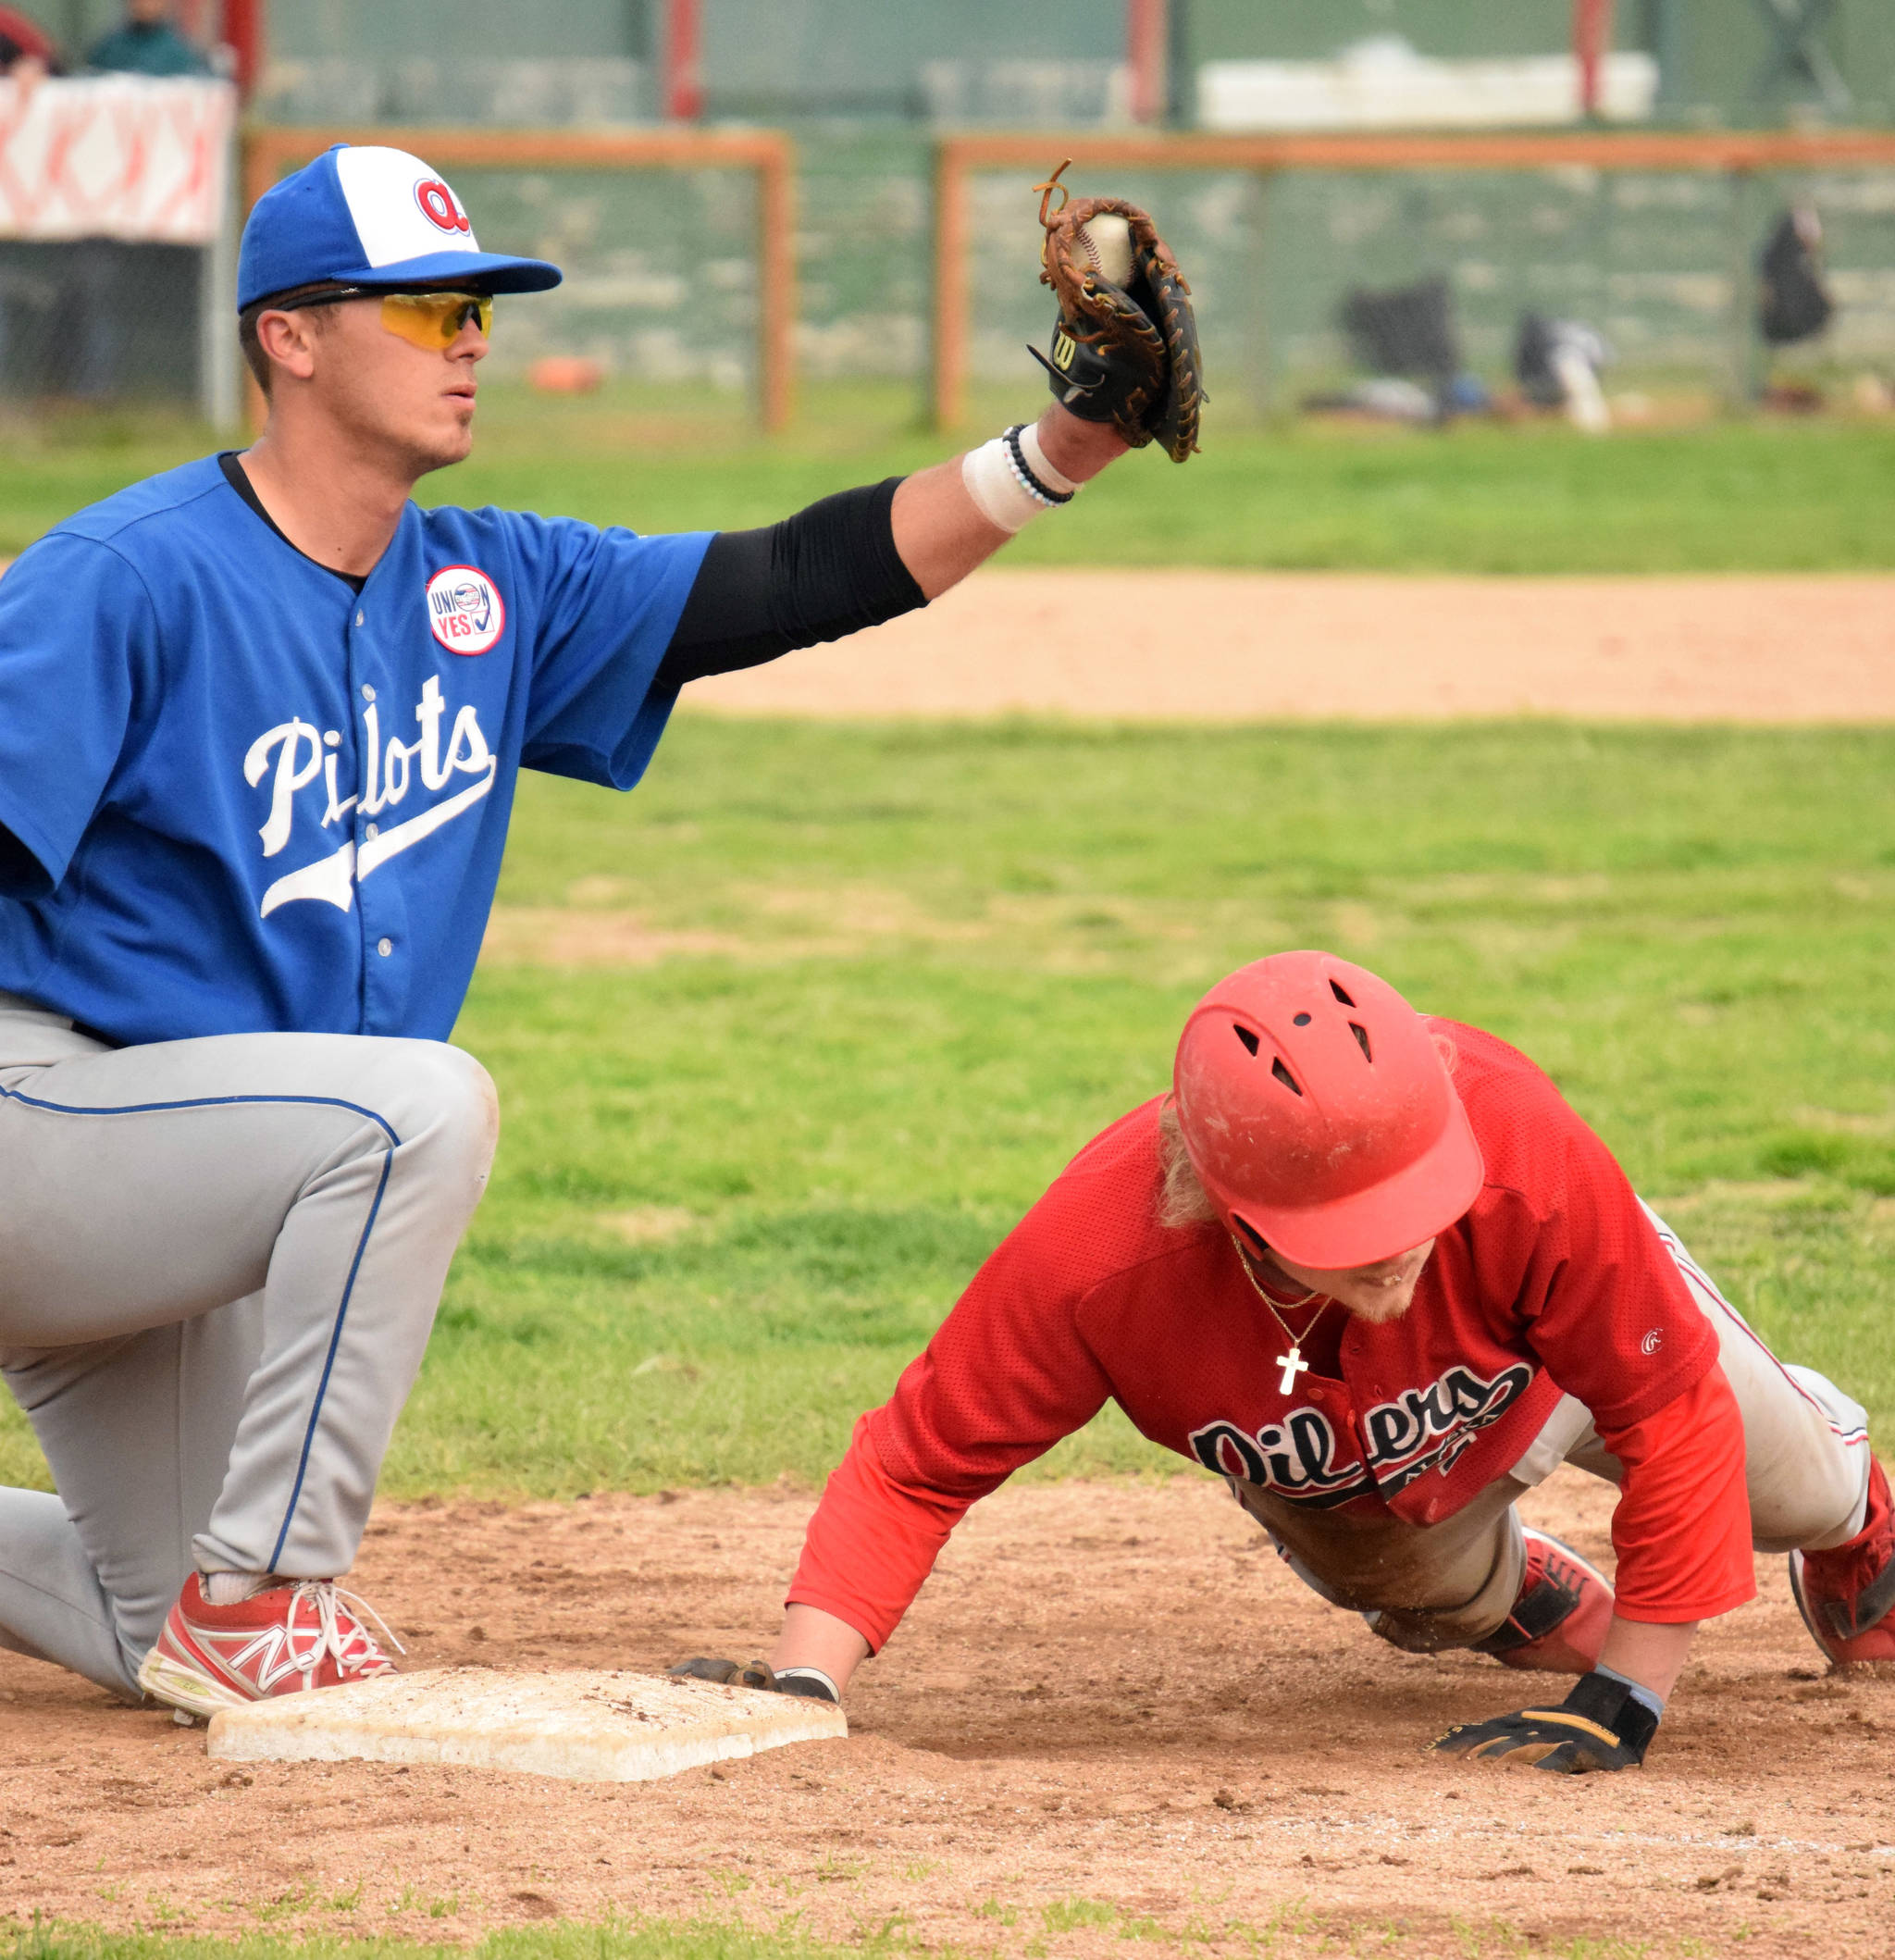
(1218, 646)
(1112, 1714)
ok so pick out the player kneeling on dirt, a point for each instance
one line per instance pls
(261, 720)
(1370, 1267)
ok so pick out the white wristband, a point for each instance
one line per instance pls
(1011, 480)
(1049, 478)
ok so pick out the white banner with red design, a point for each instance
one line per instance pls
(116, 156)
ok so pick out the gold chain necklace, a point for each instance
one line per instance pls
(1292, 1364)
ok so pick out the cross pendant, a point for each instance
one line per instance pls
(1292, 1364)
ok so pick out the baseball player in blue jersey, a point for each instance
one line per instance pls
(260, 723)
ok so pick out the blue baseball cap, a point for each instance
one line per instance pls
(362, 215)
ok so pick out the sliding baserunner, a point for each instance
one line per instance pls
(1369, 1266)
(260, 721)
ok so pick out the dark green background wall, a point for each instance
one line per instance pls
(300, 29)
(790, 56)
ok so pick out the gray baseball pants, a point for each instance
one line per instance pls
(219, 1264)
(1425, 1588)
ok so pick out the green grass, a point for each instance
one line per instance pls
(1719, 496)
(1292, 1930)
(615, 1940)
(738, 1188)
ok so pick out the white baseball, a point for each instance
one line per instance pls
(1108, 241)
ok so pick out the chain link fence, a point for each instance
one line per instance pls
(1663, 264)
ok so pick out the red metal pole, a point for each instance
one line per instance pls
(1591, 41)
(776, 277)
(684, 79)
(1145, 55)
(243, 31)
(950, 285)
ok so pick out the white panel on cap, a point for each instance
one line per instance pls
(381, 186)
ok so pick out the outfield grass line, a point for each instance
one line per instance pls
(1740, 496)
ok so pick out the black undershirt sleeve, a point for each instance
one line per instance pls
(21, 874)
(829, 570)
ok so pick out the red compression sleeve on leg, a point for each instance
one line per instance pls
(1682, 1529)
(871, 1544)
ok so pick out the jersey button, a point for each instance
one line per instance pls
(361, 619)
(371, 831)
(384, 946)
(367, 692)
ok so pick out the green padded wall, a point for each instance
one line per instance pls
(786, 58)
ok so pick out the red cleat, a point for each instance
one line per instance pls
(290, 1637)
(1847, 1595)
(1559, 1622)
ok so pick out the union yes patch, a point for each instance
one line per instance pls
(465, 609)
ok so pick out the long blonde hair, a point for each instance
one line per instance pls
(1183, 1200)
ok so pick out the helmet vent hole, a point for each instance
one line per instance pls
(1283, 1076)
(1361, 1035)
(1302, 1021)
(1246, 1037)
(1340, 994)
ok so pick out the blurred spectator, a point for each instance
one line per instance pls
(1410, 334)
(1408, 331)
(146, 43)
(1558, 362)
(105, 273)
(26, 56)
(1795, 304)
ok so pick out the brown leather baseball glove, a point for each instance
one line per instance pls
(1124, 353)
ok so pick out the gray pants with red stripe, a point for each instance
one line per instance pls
(1425, 1588)
(220, 1264)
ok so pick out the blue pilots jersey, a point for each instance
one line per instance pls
(258, 800)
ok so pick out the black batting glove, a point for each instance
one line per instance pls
(807, 1681)
(1601, 1725)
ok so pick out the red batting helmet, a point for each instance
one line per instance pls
(1318, 1114)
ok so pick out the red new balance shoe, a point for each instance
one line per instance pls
(300, 1634)
(1847, 1595)
(1560, 1619)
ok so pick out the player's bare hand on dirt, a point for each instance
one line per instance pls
(810, 1683)
(1125, 349)
(1601, 1725)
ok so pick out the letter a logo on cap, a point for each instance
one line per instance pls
(437, 206)
(402, 208)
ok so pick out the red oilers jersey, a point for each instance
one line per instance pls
(1554, 1282)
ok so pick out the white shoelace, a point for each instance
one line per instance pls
(338, 1625)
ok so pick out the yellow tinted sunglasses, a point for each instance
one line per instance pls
(430, 320)
(434, 320)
